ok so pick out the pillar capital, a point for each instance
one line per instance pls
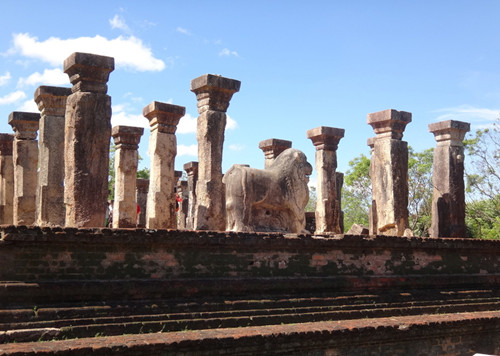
(325, 138)
(389, 123)
(127, 137)
(371, 142)
(177, 175)
(142, 184)
(191, 168)
(89, 72)
(449, 133)
(24, 124)
(272, 147)
(51, 100)
(163, 117)
(6, 141)
(214, 92)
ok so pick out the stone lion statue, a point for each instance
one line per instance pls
(272, 199)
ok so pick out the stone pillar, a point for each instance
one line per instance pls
(213, 93)
(448, 200)
(25, 158)
(389, 169)
(191, 169)
(163, 119)
(126, 139)
(87, 137)
(372, 218)
(182, 193)
(328, 210)
(272, 147)
(142, 199)
(50, 208)
(6, 179)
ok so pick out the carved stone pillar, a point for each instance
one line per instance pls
(163, 119)
(191, 169)
(213, 94)
(142, 199)
(272, 147)
(182, 193)
(126, 140)
(448, 199)
(389, 169)
(25, 158)
(6, 179)
(328, 210)
(87, 137)
(50, 209)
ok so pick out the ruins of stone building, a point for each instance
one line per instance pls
(152, 291)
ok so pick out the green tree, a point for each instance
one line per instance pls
(357, 192)
(311, 204)
(483, 183)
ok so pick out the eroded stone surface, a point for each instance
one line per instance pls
(87, 139)
(272, 147)
(191, 169)
(50, 209)
(163, 119)
(328, 209)
(126, 139)
(142, 199)
(272, 199)
(182, 210)
(6, 178)
(25, 158)
(389, 173)
(448, 200)
(213, 93)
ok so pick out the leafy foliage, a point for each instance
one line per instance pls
(357, 192)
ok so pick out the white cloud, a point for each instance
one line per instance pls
(4, 79)
(128, 51)
(28, 106)
(119, 22)
(231, 124)
(187, 150)
(227, 52)
(49, 77)
(12, 97)
(235, 147)
(187, 125)
(183, 31)
(469, 114)
(121, 116)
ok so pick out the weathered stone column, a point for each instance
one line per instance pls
(328, 210)
(389, 169)
(191, 169)
(6, 178)
(25, 158)
(183, 193)
(213, 94)
(126, 140)
(87, 137)
(448, 199)
(163, 119)
(142, 199)
(50, 209)
(272, 147)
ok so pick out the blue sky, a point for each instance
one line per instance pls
(301, 64)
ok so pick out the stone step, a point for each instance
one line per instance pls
(138, 324)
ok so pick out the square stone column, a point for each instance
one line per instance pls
(126, 139)
(163, 119)
(272, 147)
(50, 209)
(191, 169)
(213, 93)
(328, 209)
(142, 199)
(389, 173)
(448, 199)
(183, 194)
(6, 179)
(25, 158)
(87, 137)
